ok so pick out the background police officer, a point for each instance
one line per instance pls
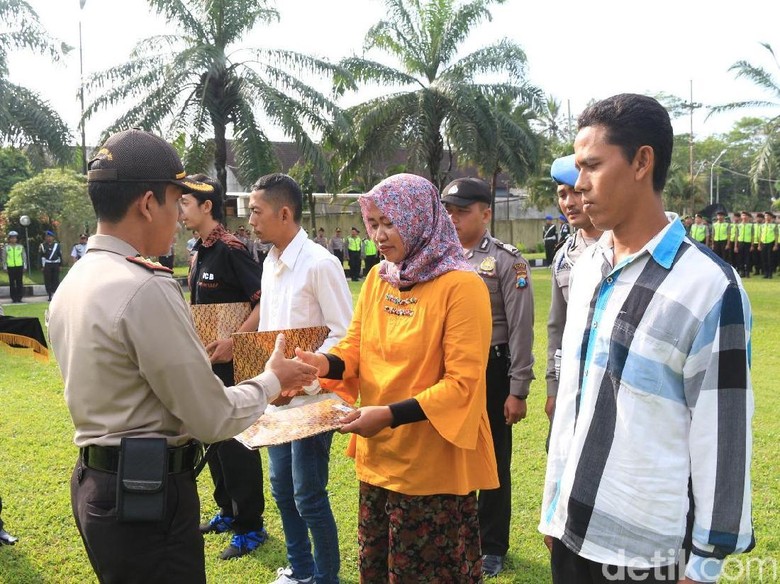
(720, 234)
(51, 262)
(355, 251)
(510, 365)
(564, 173)
(15, 263)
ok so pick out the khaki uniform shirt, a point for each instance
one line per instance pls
(132, 362)
(563, 261)
(508, 280)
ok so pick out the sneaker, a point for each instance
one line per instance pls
(243, 543)
(285, 576)
(218, 524)
(6, 538)
(492, 565)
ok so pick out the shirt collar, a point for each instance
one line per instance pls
(112, 244)
(216, 234)
(662, 247)
(290, 254)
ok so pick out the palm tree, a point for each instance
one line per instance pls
(198, 81)
(435, 94)
(766, 160)
(25, 117)
(499, 139)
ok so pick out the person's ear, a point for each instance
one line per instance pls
(644, 161)
(487, 213)
(144, 205)
(207, 206)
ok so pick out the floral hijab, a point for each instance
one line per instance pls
(432, 247)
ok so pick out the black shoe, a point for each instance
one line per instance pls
(245, 543)
(6, 538)
(218, 524)
(492, 565)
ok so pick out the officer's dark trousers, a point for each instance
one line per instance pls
(51, 278)
(370, 261)
(768, 260)
(339, 253)
(549, 251)
(744, 260)
(237, 473)
(495, 505)
(354, 265)
(719, 247)
(161, 552)
(15, 276)
(755, 261)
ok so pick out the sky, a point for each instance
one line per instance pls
(577, 51)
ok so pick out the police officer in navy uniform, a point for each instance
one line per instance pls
(564, 230)
(510, 365)
(138, 381)
(51, 262)
(550, 239)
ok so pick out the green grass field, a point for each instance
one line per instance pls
(37, 456)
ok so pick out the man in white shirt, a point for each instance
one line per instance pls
(303, 286)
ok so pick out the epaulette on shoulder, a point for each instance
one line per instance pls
(507, 247)
(149, 264)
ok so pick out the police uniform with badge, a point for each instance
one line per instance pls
(138, 382)
(510, 366)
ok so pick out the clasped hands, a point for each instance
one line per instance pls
(366, 421)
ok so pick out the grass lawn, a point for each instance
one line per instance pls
(37, 456)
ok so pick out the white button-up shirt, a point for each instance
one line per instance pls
(305, 286)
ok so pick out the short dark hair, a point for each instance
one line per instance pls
(633, 121)
(280, 190)
(214, 196)
(111, 200)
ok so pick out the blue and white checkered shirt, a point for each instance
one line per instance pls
(654, 389)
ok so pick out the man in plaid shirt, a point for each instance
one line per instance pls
(655, 383)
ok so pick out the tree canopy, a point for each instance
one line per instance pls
(198, 80)
(25, 117)
(437, 96)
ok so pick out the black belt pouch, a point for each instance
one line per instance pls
(142, 479)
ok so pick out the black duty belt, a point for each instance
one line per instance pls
(498, 351)
(106, 458)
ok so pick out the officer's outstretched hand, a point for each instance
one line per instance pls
(293, 374)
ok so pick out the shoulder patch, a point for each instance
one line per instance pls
(149, 264)
(506, 247)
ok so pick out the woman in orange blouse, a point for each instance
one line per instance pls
(418, 347)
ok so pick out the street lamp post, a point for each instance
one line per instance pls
(25, 221)
(712, 168)
(81, 97)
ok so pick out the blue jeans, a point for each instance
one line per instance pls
(299, 480)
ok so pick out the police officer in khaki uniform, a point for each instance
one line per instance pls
(510, 365)
(138, 382)
(564, 173)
